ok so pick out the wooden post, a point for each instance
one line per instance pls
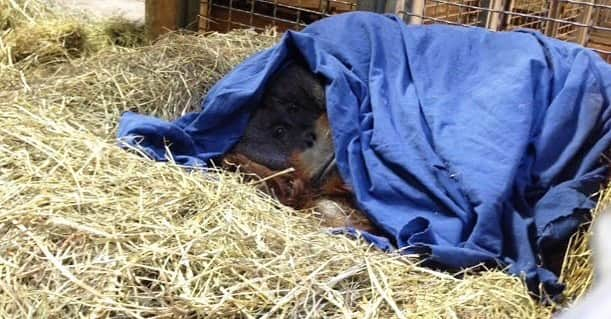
(551, 27)
(586, 18)
(494, 18)
(161, 16)
(190, 20)
(204, 15)
(416, 7)
(169, 15)
(400, 9)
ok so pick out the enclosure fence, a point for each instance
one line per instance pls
(586, 22)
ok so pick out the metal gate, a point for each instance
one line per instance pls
(587, 22)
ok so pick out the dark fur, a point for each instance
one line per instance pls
(294, 103)
(284, 120)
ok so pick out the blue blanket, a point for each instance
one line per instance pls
(465, 144)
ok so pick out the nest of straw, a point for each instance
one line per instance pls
(89, 230)
(35, 33)
(16, 12)
(46, 42)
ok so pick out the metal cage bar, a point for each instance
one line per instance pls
(587, 22)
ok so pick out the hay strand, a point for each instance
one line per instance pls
(90, 230)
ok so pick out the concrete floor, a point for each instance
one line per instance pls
(130, 9)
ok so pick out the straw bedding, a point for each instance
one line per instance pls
(89, 230)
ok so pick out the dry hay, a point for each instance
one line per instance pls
(577, 272)
(35, 33)
(16, 12)
(89, 230)
(45, 42)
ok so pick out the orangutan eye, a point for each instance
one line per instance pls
(292, 108)
(279, 132)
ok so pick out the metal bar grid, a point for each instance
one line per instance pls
(563, 19)
(536, 9)
(224, 15)
(587, 22)
(569, 20)
(453, 14)
(505, 12)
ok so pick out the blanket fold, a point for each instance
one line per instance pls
(468, 145)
